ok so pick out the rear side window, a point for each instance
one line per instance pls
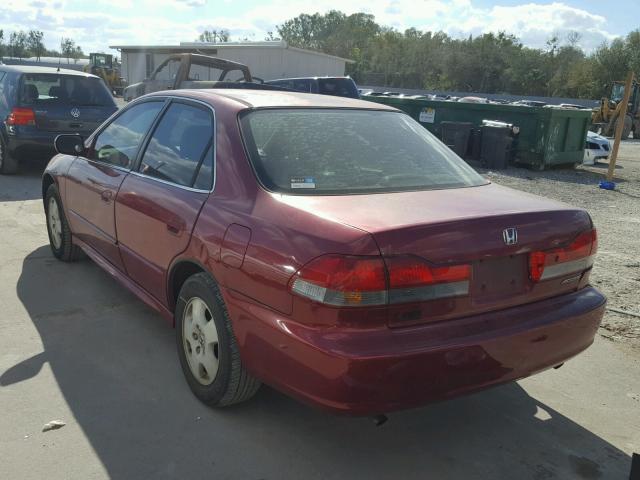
(204, 180)
(178, 145)
(340, 87)
(347, 151)
(119, 142)
(43, 89)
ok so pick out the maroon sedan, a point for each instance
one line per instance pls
(331, 248)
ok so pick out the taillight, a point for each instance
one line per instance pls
(574, 258)
(21, 116)
(413, 280)
(344, 280)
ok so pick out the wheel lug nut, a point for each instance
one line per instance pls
(198, 349)
(194, 335)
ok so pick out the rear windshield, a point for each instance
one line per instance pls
(343, 151)
(52, 89)
(340, 87)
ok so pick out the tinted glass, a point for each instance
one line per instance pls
(341, 87)
(6, 91)
(298, 84)
(204, 180)
(178, 144)
(327, 151)
(119, 142)
(42, 89)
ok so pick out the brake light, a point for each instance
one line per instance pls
(21, 116)
(574, 258)
(342, 280)
(411, 279)
(363, 281)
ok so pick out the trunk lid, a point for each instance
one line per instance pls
(71, 118)
(66, 103)
(464, 225)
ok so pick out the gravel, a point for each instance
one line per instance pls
(616, 215)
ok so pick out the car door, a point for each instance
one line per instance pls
(164, 77)
(158, 203)
(93, 180)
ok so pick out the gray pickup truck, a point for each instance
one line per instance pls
(191, 70)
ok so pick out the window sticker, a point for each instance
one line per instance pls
(303, 182)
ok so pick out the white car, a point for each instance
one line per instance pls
(596, 147)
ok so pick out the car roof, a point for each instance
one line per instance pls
(309, 78)
(37, 69)
(247, 98)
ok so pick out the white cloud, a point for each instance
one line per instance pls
(110, 22)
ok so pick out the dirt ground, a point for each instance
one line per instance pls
(616, 215)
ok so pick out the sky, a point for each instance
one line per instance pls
(97, 24)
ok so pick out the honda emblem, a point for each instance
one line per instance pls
(510, 236)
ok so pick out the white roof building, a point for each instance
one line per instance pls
(266, 60)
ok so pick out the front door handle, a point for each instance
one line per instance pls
(175, 229)
(106, 195)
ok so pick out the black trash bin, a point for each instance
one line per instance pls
(497, 145)
(455, 135)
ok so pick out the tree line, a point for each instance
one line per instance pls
(24, 44)
(488, 63)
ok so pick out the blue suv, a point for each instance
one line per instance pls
(39, 103)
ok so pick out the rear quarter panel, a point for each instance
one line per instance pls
(282, 238)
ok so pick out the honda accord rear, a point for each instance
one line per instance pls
(416, 279)
(329, 247)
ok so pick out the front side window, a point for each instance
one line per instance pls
(119, 142)
(178, 145)
(348, 151)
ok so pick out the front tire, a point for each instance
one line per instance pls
(8, 163)
(207, 347)
(60, 237)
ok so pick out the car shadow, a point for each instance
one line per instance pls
(116, 365)
(24, 185)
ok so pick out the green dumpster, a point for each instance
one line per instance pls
(548, 136)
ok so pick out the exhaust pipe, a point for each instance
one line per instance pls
(380, 419)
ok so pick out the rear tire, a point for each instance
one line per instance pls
(207, 347)
(8, 163)
(60, 237)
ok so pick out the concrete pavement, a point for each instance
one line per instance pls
(76, 346)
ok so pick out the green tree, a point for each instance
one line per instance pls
(35, 43)
(67, 48)
(18, 44)
(488, 63)
(214, 36)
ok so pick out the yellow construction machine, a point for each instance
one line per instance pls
(606, 116)
(102, 65)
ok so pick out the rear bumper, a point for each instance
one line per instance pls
(34, 142)
(377, 371)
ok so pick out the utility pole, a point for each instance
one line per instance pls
(620, 127)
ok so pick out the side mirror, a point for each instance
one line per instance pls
(69, 144)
